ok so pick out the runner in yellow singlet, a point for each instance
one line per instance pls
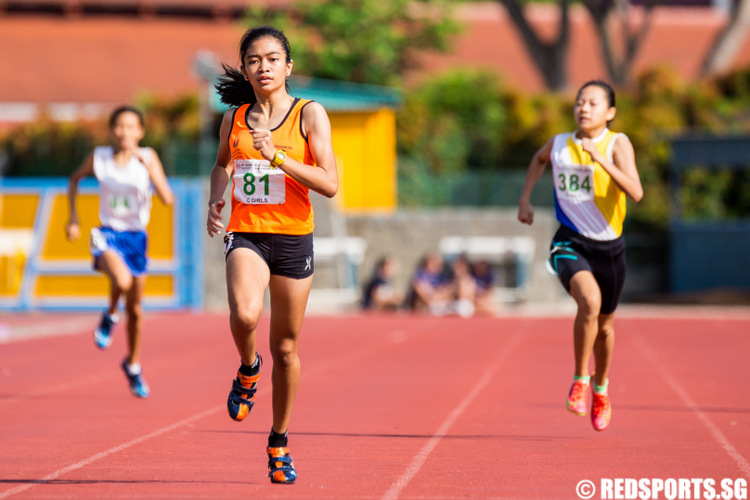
(594, 171)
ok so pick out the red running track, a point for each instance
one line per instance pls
(389, 407)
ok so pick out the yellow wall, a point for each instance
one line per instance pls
(57, 246)
(18, 210)
(95, 286)
(365, 146)
(18, 213)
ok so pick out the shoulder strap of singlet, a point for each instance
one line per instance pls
(234, 117)
(611, 144)
(560, 141)
(302, 103)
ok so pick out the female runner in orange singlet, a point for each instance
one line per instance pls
(274, 147)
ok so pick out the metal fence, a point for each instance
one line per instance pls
(469, 189)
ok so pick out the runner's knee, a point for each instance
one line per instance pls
(246, 316)
(606, 330)
(123, 282)
(589, 303)
(284, 352)
(134, 310)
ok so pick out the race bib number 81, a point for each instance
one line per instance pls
(256, 183)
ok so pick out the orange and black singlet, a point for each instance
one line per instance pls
(265, 199)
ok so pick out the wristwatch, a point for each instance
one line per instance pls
(278, 158)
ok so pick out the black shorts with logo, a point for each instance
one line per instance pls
(287, 255)
(571, 252)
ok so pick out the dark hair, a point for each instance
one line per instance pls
(124, 109)
(380, 264)
(232, 87)
(607, 88)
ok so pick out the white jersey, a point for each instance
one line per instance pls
(124, 191)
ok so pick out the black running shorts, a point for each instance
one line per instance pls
(570, 253)
(286, 255)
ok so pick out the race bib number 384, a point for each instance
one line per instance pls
(575, 182)
(256, 183)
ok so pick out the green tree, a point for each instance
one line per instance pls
(454, 122)
(364, 41)
(49, 148)
(46, 147)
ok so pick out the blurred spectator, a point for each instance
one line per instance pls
(379, 294)
(463, 287)
(428, 290)
(485, 281)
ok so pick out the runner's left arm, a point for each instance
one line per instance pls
(622, 169)
(158, 177)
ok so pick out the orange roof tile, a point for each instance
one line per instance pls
(679, 37)
(105, 59)
(109, 59)
(28, 4)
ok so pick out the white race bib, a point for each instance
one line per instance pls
(256, 183)
(575, 182)
(122, 204)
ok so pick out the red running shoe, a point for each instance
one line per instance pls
(577, 397)
(601, 411)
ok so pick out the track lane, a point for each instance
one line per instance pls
(376, 392)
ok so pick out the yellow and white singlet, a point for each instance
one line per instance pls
(587, 200)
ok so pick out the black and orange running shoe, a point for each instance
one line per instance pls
(242, 396)
(280, 466)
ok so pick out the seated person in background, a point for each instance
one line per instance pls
(428, 289)
(464, 287)
(379, 294)
(485, 281)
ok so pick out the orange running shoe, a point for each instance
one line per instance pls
(577, 397)
(601, 411)
(242, 396)
(280, 466)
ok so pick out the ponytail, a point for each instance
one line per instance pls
(234, 90)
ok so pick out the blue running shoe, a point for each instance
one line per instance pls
(138, 386)
(103, 332)
(242, 396)
(281, 466)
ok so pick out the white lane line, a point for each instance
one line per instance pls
(420, 458)
(90, 379)
(53, 326)
(87, 461)
(19, 333)
(106, 453)
(718, 436)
